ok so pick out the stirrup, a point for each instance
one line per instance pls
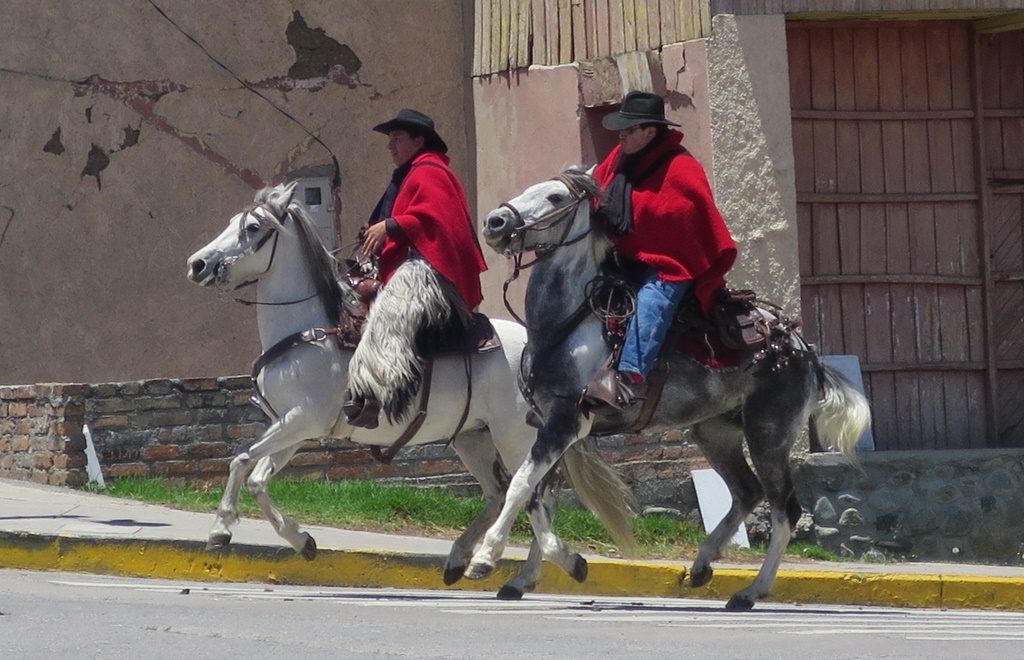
(609, 388)
(363, 412)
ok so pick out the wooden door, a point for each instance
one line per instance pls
(891, 189)
(1001, 69)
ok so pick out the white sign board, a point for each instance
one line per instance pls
(714, 500)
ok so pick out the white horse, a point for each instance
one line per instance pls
(303, 373)
(758, 408)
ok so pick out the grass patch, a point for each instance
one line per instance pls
(375, 506)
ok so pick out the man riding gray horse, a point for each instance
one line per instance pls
(754, 407)
(657, 205)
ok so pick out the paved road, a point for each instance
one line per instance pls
(63, 615)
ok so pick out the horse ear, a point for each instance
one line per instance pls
(280, 197)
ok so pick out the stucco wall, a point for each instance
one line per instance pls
(687, 99)
(751, 132)
(527, 130)
(123, 148)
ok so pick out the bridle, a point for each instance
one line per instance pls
(551, 219)
(289, 342)
(542, 250)
(272, 232)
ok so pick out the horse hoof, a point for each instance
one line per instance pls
(510, 593)
(453, 574)
(701, 576)
(579, 569)
(478, 571)
(309, 550)
(218, 541)
(740, 603)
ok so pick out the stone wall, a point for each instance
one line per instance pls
(188, 430)
(938, 505)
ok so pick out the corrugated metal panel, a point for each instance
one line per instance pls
(512, 34)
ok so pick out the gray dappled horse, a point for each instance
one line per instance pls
(274, 244)
(753, 406)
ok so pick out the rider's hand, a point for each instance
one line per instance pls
(373, 238)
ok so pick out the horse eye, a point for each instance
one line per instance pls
(555, 198)
(252, 228)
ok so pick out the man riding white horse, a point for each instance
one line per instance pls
(422, 229)
(658, 206)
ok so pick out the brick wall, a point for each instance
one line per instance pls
(41, 435)
(189, 429)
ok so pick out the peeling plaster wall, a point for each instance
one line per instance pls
(751, 130)
(123, 148)
(687, 98)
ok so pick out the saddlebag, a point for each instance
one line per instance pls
(741, 325)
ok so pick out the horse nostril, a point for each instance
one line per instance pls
(495, 222)
(198, 266)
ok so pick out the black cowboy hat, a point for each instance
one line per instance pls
(416, 124)
(637, 108)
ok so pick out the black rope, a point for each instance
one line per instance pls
(336, 180)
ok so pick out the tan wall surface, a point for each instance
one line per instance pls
(158, 146)
(754, 175)
(687, 99)
(527, 130)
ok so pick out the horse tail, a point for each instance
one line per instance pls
(385, 363)
(602, 490)
(842, 413)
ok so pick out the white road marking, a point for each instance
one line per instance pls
(963, 639)
(782, 618)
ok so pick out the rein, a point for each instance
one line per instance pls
(545, 222)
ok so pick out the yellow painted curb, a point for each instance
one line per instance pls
(189, 560)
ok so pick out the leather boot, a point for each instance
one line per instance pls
(361, 411)
(613, 389)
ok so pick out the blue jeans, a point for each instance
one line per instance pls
(656, 304)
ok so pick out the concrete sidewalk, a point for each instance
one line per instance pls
(47, 528)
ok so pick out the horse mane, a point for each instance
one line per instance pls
(335, 294)
(583, 180)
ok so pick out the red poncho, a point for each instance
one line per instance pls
(677, 229)
(432, 210)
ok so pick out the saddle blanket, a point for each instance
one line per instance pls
(708, 349)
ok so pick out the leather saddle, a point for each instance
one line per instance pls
(736, 327)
